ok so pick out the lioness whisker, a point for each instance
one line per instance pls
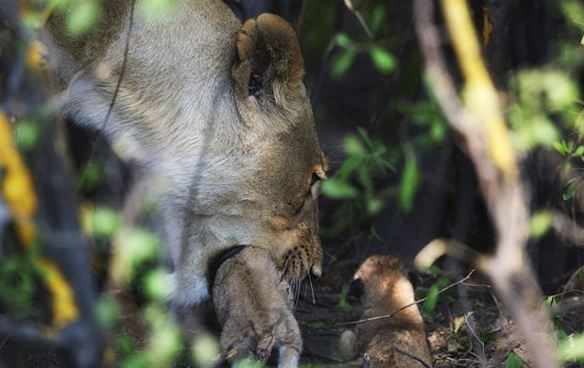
(311, 289)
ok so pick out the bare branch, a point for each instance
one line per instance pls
(393, 313)
(480, 122)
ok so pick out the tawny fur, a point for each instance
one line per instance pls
(386, 290)
(230, 168)
(254, 309)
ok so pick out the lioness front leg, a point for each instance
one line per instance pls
(254, 309)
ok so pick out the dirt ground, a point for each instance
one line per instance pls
(467, 328)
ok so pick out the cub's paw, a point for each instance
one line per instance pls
(254, 310)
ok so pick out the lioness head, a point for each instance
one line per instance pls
(269, 91)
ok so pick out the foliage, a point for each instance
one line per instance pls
(382, 167)
(513, 361)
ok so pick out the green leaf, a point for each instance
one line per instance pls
(383, 60)
(513, 361)
(82, 16)
(205, 350)
(342, 63)
(156, 9)
(561, 147)
(156, 284)
(134, 247)
(353, 145)
(431, 301)
(409, 183)
(578, 152)
(107, 311)
(540, 224)
(572, 348)
(90, 175)
(374, 205)
(344, 41)
(569, 190)
(27, 133)
(378, 18)
(247, 363)
(343, 303)
(103, 222)
(338, 189)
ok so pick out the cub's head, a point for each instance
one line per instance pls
(273, 103)
(383, 282)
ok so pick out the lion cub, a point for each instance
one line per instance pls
(254, 309)
(396, 341)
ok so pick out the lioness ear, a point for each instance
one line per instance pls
(269, 60)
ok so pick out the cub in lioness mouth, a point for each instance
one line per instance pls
(217, 114)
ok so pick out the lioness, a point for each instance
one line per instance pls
(218, 114)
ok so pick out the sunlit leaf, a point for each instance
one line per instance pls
(561, 89)
(342, 63)
(353, 145)
(338, 189)
(578, 152)
(344, 41)
(572, 348)
(409, 183)
(107, 311)
(247, 363)
(205, 351)
(103, 221)
(374, 205)
(82, 15)
(156, 9)
(383, 59)
(156, 284)
(378, 18)
(569, 190)
(343, 303)
(513, 361)
(165, 340)
(90, 175)
(26, 135)
(540, 224)
(431, 301)
(133, 247)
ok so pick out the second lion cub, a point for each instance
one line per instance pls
(396, 341)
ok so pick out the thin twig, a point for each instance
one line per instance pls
(389, 315)
(117, 88)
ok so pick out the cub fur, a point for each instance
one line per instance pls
(393, 341)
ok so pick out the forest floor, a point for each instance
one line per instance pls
(467, 326)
